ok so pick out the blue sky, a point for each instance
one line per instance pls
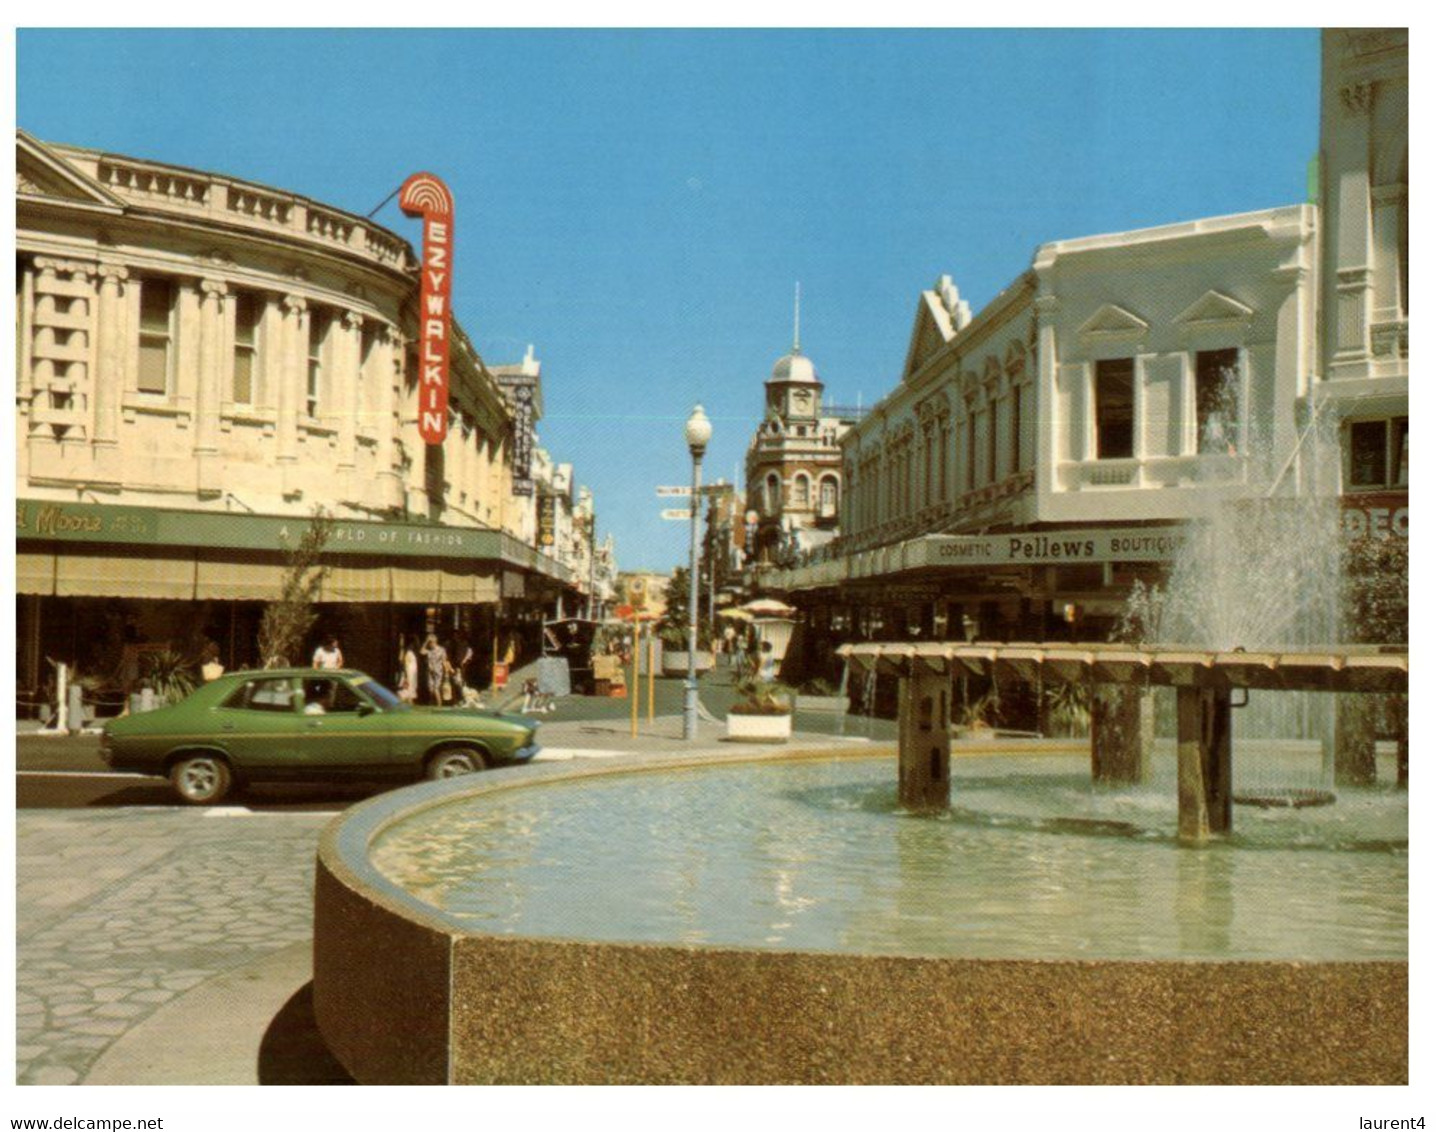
(639, 204)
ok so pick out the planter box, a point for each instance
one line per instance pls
(675, 662)
(760, 728)
(823, 703)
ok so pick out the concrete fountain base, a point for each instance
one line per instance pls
(404, 996)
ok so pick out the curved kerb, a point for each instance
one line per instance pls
(404, 994)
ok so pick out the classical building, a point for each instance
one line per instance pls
(1037, 458)
(1361, 351)
(201, 363)
(793, 474)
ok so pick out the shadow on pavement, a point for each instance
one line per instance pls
(292, 1051)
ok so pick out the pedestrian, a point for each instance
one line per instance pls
(210, 668)
(328, 654)
(408, 671)
(730, 645)
(436, 671)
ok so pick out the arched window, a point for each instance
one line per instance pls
(773, 495)
(828, 496)
(801, 493)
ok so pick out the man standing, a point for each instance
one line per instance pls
(328, 654)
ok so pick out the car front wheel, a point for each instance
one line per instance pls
(201, 779)
(452, 763)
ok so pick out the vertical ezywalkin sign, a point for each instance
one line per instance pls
(428, 198)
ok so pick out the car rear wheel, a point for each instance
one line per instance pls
(201, 779)
(452, 762)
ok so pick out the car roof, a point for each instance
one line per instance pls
(302, 673)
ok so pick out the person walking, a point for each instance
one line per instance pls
(408, 671)
(436, 670)
(328, 655)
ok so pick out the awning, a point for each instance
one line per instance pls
(238, 581)
(356, 583)
(34, 573)
(415, 587)
(113, 575)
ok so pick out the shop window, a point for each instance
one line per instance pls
(1218, 397)
(319, 321)
(1379, 453)
(157, 305)
(247, 309)
(1115, 380)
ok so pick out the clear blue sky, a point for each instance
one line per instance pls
(638, 205)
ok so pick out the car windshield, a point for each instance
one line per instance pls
(381, 695)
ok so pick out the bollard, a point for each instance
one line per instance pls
(924, 742)
(75, 708)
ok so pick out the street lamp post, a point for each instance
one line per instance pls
(696, 431)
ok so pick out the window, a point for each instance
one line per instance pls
(1218, 396)
(971, 450)
(992, 442)
(800, 491)
(1379, 453)
(828, 496)
(1115, 380)
(318, 330)
(772, 497)
(247, 309)
(272, 694)
(157, 302)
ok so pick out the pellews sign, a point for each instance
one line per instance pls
(1132, 544)
(425, 196)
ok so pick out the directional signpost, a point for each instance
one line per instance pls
(676, 513)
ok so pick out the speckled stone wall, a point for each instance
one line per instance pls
(403, 996)
(542, 1011)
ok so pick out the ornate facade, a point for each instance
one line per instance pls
(202, 362)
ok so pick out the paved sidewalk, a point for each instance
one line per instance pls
(156, 944)
(120, 912)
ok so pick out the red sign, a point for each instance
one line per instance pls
(428, 198)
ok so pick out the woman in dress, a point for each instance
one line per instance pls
(408, 671)
(436, 669)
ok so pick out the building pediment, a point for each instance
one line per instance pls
(39, 172)
(1215, 309)
(1111, 321)
(941, 313)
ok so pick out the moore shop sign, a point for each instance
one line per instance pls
(42, 520)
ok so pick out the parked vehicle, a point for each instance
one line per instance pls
(295, 724)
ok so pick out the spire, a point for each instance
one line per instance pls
(797, 308)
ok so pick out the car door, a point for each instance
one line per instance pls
(344, 733)
(259, 725)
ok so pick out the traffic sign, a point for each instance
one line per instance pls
(675, 492)
(675, 513)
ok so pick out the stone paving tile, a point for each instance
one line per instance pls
(119, 912)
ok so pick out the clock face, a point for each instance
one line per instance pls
(802, 400)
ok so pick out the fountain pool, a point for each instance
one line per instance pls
(1033, 861)
(776, 917)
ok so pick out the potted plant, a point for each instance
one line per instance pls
(673, 630)
(763, 713)
(819, 694)
(169, 675)
(977, 718)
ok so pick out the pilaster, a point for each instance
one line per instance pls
(348, 388)
(213, 308)
(293, 358)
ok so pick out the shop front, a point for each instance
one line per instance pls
(100, 586)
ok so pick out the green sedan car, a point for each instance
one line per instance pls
(291, 724)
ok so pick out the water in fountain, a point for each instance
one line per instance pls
(1263, 570)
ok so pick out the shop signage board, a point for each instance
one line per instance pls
(523, 406)
(427, 197)
(547, 519)
(1105, 544)
(41, 520)
(1378, 515)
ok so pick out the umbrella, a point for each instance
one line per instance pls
(769, 607)
(736, 614)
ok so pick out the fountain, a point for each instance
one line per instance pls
(789, 918)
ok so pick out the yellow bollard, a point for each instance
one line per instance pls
(652, 659)
(634, 686)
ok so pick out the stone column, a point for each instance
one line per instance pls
(924, 740)
(108, 383)
(1204, 763)
(1350, 224)
(293, 360)
(187, 364)
(388, 381)
(348, 387)
(209, 386)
